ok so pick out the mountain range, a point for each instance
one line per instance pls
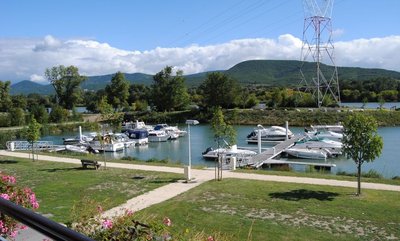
(260, 72)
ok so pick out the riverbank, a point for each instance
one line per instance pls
(300, 117)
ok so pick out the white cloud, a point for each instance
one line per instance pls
(28, 58)
(37, 78)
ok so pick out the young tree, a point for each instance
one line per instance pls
(169, 92)
(222, 131)
(33, 134)
(220, 90)
(361, 141)
(118, 91)
(66, 82)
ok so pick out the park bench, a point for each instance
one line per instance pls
(86, 163)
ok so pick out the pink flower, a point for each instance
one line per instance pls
(210, 238)
(9, 179)
(5, 196)
(107, 224)
(167, 221)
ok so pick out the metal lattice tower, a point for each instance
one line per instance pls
(318, 50)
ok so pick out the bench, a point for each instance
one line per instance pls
(86, 163)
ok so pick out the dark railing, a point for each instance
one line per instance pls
(39, 223)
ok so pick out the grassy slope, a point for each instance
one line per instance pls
(281, 211)
(59, 185)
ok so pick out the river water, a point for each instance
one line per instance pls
(388, 164)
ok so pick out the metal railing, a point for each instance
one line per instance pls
(39, 223)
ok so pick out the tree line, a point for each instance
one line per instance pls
(168, 92)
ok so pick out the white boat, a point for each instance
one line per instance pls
(140, 136)
(77, 140)
(121, 137)
(271, 134)
(233, 151)
(75, 148)
(173, 131)
(330, 146)
(158, 136)
(335, 128)
(325, 134)
(307, 153)
(138, 125)
(108, 143)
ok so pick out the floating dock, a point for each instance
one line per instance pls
(267, 157)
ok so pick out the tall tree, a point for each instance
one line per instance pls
(168, 91)
(361, 141)
(5, 99)
(118, 91)
(220, 90)
(66, 82)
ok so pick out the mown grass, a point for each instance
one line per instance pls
(281, 211)
(321, 174)
(59, 185)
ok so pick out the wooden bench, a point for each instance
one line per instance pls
(86, 163)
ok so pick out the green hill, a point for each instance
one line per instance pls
(260, 72)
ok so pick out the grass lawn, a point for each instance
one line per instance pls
(283, 211)
(59, 185)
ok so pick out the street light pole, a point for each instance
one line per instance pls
(188, 171)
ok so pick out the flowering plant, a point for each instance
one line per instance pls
(24, 197)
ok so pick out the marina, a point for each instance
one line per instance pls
(201, 138)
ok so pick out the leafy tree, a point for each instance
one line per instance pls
(66, 82)
(109, 115)
(361, 141)
(40, 113)
(58, 114)
(32, 134)
(19, 101)
(220, 90)
(118, 91)
(5, 99)
(169, 92)
(17, 116)
(220, 128)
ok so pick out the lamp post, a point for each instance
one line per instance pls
(187, 170)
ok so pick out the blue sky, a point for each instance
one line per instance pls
(102, 37)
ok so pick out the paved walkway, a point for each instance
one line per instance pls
(200, 176)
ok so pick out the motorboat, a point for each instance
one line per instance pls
(334, 128)
(325, 134)
(77, 148)
(232, 151)
(137, 125)
(330, 146)
(271, 134)
(158, 136)
(140, 136)
(307, 153)
(77, 140)
(121, 137)
(107, 143)
(173, 131)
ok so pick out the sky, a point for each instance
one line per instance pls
(103, 36)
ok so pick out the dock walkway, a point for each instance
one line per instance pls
(258, 160)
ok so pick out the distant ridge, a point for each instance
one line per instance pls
(260, 72)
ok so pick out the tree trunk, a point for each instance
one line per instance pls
(359, 179)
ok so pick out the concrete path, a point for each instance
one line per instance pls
(200, 176)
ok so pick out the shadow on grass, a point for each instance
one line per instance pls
(172, 180)
(65, 169)
(8, 162)
(299, 194)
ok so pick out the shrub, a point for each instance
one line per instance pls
(21, 196)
